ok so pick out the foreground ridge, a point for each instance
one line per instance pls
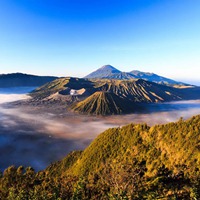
(130, 162)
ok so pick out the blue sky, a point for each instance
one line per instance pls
(75, 37)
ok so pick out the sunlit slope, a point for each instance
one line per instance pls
(106, 97)
(137, 90)
(174, 146)
(62, 85)
(130, 162)
(103, 103)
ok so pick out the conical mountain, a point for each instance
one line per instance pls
(103, 72)
(102, 103)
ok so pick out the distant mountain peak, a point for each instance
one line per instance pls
(110, 72)
(103, 72)
(108, 67)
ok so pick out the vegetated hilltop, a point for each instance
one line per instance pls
(131, 162)
(174, 145)
(110, 72)
(23, 80)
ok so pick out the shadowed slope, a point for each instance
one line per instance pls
(155, 78)
(23, 80)
(109, 72)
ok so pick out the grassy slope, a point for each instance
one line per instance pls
(57, 168)
(132, 162)
(174, 145)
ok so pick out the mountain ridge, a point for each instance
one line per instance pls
(78, 94)
(110, 72)
(135, 161)
(164, 158)
(23, 80)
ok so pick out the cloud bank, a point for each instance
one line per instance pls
(34, 137)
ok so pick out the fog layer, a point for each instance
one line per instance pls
(36, 137)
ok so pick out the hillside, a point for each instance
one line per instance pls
(136, 90)
(110, 72)
(23, 80)
(103, 103)
(166, 158)
(173, 145)
(131, 162)
(120, 92)
(139, 90)
(63, 86)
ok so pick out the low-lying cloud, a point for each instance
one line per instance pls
(32, 137)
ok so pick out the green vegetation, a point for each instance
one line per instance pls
(131, 162)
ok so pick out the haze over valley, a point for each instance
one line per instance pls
(36, 136)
